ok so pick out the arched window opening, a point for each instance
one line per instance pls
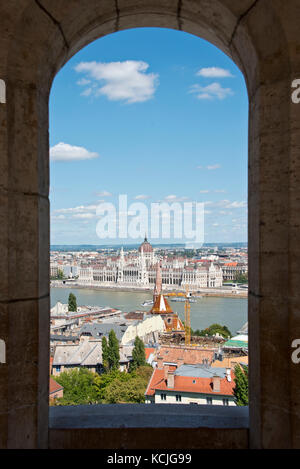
(148, 159)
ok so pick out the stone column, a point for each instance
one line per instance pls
(272, 174)
(24, 225)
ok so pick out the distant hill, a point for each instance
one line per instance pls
(95, 247)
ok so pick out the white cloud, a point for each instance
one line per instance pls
(226, 204)
(210, 168)
(87, 92)
(84, 215)
(220, 191)
(175, 198)
(142, 197)
(78, 209)
(213, 167)
(210, 92)
(81, 212)
(203, 192)
(120, 81)
(65, 152)
(103, 194)
(214, 72)
(237, 205)
(83, 82)
(57, 217)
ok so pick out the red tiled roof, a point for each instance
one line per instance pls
(134, 315)
(54, 386)
(185, 384)
(148, 351)
(50, 363)
(189, 355)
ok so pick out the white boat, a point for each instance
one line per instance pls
(182, 300)
(147, 303)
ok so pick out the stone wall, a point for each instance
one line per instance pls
(36, 38)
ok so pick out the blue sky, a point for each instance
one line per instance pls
(157, 114)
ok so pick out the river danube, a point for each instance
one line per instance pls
(231, 312)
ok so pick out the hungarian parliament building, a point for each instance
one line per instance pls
(140, 271)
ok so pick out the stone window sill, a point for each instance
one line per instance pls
(137, 426)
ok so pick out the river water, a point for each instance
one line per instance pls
(231, 312)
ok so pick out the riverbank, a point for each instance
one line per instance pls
(205, 311)
(224, 294)
(122, 289)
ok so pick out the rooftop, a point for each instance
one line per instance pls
(200, 371)
(191, 383)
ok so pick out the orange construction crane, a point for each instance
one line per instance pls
(187, 312)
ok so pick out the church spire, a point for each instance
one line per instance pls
(158, 282)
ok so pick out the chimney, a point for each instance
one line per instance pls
(160, 363)
(216, 383)
(228, 374)
(170, 379)
(166, 371)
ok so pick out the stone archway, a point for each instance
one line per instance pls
(36, 38)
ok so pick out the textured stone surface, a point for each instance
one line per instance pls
(145, 438)
(134, 426)
(262, 37)
(148, 416)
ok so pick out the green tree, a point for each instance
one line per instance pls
(84, 387)
(60, 274)
(113, 351)
(103, 381)
(144, 372)
(129, 387)
(241, 278)
(138, 354)
(116, 392)
(241, 385)
(105, 354)
(78, 387)
(72, 303)
(213, 330)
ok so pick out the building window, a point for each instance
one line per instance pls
(163, 397)
(178, 398)
(209, 401)
(225, 401)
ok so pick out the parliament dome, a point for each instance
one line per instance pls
(146, 246)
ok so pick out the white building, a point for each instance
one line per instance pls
(191, 384)
(141, 272)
